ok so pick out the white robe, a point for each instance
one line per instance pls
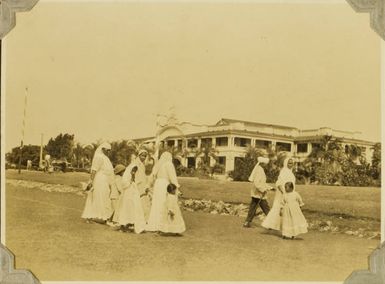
(165, 174)
(273, 219)
(98, 203)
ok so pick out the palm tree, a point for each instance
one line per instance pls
(205, 153)
(376, 161)
(89, 151)
(78, 153)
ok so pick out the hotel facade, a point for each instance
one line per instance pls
(230, 138)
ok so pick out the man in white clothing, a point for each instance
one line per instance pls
(258, 191)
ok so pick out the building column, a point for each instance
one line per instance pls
(229, 163)
(309, 148)
(273, 144)
(184, 162)
(197, 161)
(252, 142)
(231, 141)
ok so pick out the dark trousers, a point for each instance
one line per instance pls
(253, 207)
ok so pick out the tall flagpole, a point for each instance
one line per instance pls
(157, 139)
(23, 128)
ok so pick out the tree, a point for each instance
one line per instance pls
(205, 154)
(324, 162)
(355, 168)
(276, 158)
(122, 151)
(29, 152)
(61, 147)
(88, 152)
(244, 166)
(376, 162)
(78, 153)
(331, 163)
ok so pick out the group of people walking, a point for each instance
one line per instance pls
(285, 215)
(127, 198)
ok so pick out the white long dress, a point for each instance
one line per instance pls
(273, 219)
(141, 181)
(164, 176)
(130, 210)
(98, 203)
(172, 224)
(293, 221)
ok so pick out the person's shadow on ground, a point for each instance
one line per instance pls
(278, 234)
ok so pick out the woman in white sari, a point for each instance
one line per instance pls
(141, 181)
(164, 174)
(273, 219)
(98, 203)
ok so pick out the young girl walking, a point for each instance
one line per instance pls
(293, 222)
(172, 223)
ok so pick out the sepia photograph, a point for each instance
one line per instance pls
(209, 140)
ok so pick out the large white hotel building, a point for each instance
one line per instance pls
(230, 138)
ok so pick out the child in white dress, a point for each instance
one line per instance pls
(130, 210)
(293, 222)
(172, 222)
(115, 192)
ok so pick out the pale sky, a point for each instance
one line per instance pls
(103, 70)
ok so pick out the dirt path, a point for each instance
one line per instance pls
(45, 232)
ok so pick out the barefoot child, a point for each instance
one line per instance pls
(173, 222)
(293, 222)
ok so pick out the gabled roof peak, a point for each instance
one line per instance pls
(227, 121)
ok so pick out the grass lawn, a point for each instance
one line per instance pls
(357, 202)
(45, 232)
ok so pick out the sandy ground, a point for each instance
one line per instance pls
(45, 232)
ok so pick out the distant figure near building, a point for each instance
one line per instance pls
(29, 165)
(48, 166)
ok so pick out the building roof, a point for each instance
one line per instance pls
(317, 138)
(248, 134)
(310, 137)
(252, 123)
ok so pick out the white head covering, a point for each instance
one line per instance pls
(137, 158)
(99, 153)
(286, 174)
(127, 173)
(286, 161)
(104, 145)
(142, 151)
(164, 158)
(262, 160)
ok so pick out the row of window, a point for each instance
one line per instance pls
(244, 142)
(303, 147)
(191, 161)
(224, 142)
